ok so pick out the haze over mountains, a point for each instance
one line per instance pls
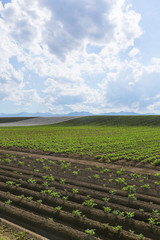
(38, 114)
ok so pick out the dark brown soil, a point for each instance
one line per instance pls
(26, 178)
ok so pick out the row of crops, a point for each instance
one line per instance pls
(63, 199)
(105, 144)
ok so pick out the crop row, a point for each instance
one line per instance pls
(108, 144)
(74, 196)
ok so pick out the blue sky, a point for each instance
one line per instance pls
(91, 55)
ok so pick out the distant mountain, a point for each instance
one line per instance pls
(38, 114)
(121, 113)
(79, 114)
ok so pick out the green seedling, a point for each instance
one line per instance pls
(91, 232)
(77, 213)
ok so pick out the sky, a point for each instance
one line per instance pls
(66, 56)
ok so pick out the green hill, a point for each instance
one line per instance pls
(148, 120)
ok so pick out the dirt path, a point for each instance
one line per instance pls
(86, 162)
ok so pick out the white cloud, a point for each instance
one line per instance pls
(133, 52)
(84, 52)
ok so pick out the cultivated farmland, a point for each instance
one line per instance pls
(83, 179)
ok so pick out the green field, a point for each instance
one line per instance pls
(104, 138)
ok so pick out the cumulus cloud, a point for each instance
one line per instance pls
(82, 52)
(133, 52)
(74, 22)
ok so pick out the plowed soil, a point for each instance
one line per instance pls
(62, 198)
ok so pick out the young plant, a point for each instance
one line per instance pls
(155, 212)
(91, 232)
(152, 221)
(75, 190)
(105, 170)
(140, 236)
(45, 184)
(65, 166)
(65, 197)
(105, 199)
(21, 196)
(131, 231)
(107, 209)
(30, 180)
(75, 173)
(8, 202)
(106, 225)
(117, 228)
(29, 198)
(130, 188)
(129, 214)
(132, 197)
(145, 186)
(51, 178)
(10, 183)
(77, 213)
(62, 181)
(46, 168)
(89, 203)
(116, 212)
(112, 192)
(58, 208)
(96, 176)
(21, 163)
(7, 160)
(121, 181)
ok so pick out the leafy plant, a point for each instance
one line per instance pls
(91, 232)
(117, 228)
(58, 208)
(89, 203)
(130, 214)
(105, 199)
(107, 209)
(8, 202)
(132, 197)
(131, 231)
(75, 173)
(106, 225)
(65, 165)
(30, 180)
(152, 221)
(96, 176)
(7, 160)
(10, 183)
(140, 236)
(121, 181)
(21, 196)
(77, 213)
(130, 188)
(155, 212)
(75, 190)
(20, 163)
(145, 186)
(112, 192)
(62, 181)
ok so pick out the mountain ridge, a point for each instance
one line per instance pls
(83, 113)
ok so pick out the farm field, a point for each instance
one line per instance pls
(83, 179)
(106, 139)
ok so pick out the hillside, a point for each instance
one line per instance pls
(114, 121)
